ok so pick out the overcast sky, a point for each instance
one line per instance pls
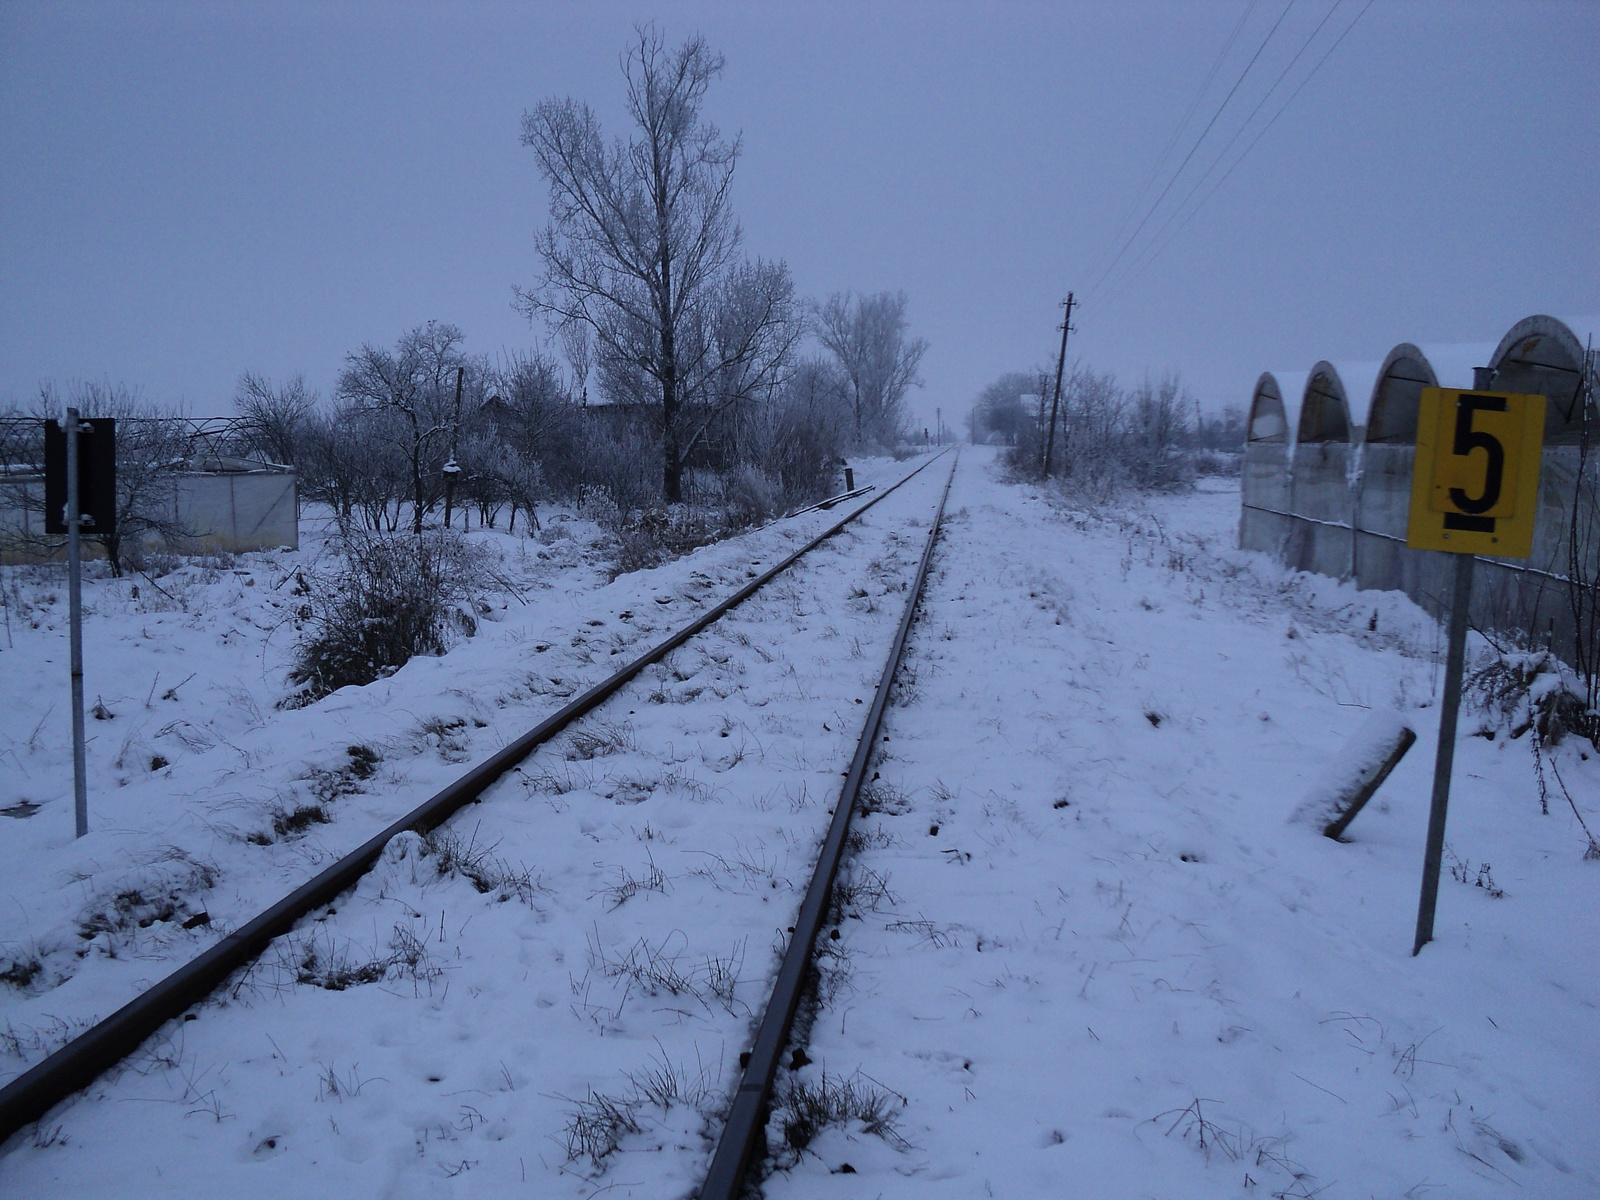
(190, 190)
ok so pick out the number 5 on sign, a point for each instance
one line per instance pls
(1475, 486)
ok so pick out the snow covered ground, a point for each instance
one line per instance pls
(205, 798)
(1107, 966)
(1084, 952)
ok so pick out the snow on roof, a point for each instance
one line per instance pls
(1360, 380)
(1453, 362)
(1289, 385)
(1585, 329)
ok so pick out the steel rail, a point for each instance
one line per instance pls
(747, 1117)
(831, 501)
(81, 1061)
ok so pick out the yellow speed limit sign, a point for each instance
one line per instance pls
(1475, 486)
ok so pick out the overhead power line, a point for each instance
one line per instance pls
(1128, 282)
(1166, 151)
(1221, 155)
(1237, 83)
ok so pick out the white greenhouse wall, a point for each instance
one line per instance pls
(1340, 507)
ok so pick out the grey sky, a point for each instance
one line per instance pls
(192, 190)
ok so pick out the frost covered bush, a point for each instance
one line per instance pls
(619, 467)
(1536, 691)
(657, 535)
(1533, 691)
(750, 496)
(321, 960)
(1108, 438)
(652, 536)
(392, 597)
(796, 439)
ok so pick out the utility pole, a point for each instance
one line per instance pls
(452, 468)
(1055, 403)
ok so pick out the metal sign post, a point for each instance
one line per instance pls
(1444, 759)
(1474, 490)
(79, 492)
(74, 514)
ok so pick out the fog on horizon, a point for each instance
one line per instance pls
(196, 190)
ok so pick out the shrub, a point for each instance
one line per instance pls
(1531, 691)
(322, 961)
(388, 600)
(1108, 438)
(750, 496)
(659, 535)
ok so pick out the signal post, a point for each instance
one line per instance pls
(1474, 490)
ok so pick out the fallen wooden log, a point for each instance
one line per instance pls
(1377, 746)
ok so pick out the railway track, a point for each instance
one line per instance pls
(744, 1129)
(30, 1096)
(1091, 922)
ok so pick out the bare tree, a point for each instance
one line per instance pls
(276, 415)
(999, 409)
(642, 246)
(1112, 437)
(1221, 431)
(525, 442)
(415, 386)
(1158, 425)
(749, 337)
(577, 344)
(532, 408)
(1094, 413)
(797, 437)
(377, 445)
(1583, 555)
(867, 337)
(333, 466)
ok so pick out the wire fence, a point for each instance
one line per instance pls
(22, 439)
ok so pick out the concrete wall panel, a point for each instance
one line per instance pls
(1264, 487)
(1319, 488)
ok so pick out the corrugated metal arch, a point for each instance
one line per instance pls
(1268, 421)
(1396, 394)
(1325, 409)
(1543, 355)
